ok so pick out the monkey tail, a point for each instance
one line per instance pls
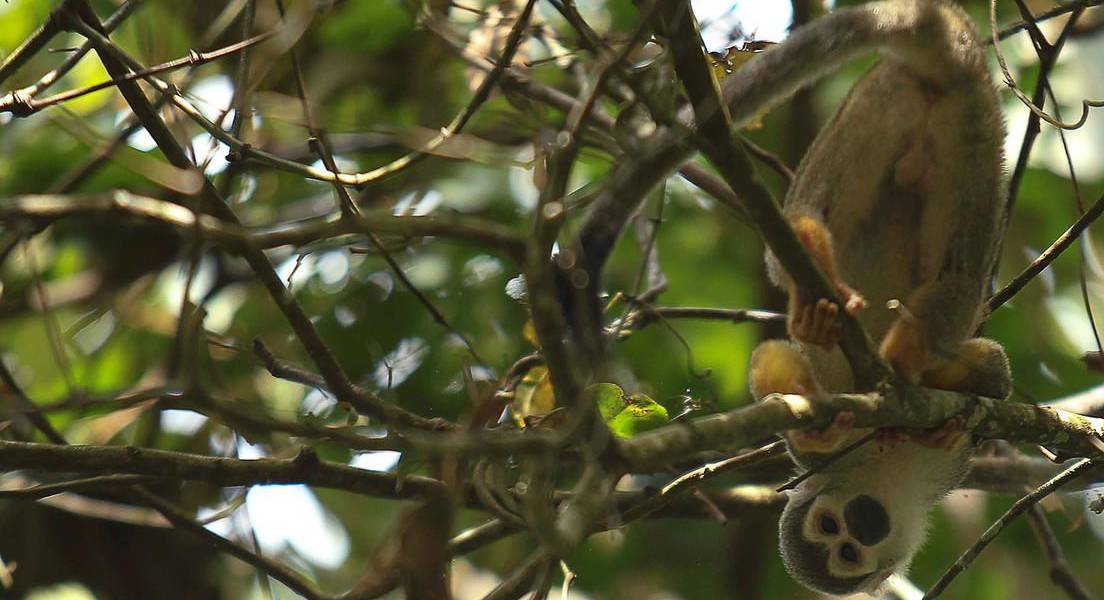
(932, 38)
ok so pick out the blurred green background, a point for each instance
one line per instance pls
(381, 81)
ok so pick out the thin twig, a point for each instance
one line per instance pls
(1043, 260)
(46, 207)
(700, 475)
(100, 482)
(1010, 515)
(1048, 57)
(835, 456)
(70, 61)
(34, 42)
(276, 570)
(22, 107)
(646, 314)
(1010, 81)
(1057, 11)
(1060, 573)
(304, 468)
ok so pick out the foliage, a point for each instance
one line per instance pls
(122, 330)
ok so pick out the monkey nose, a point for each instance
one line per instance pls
(867, 520)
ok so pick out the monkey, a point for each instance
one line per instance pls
(900, 197)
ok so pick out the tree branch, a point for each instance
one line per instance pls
(904, 406)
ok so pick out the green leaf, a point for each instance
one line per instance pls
(627, 416)
(610, 399)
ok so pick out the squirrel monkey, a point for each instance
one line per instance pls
(900, 197)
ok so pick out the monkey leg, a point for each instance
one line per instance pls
(779, 367)
(905, 348)
(816, 322)
(978, 366)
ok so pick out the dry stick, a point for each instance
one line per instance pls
(70, 61)
(694, 478)
(768, 158)
(550, 323)
(563, 532)
(117, 62)
(1057, 11)
(585, 322)
(1043, 260)
(47, 207)
(1060, 573)
(34, 42)
(647, 314)
(476, 537)
(242, 88)
(36, 418)
(521, 580)
(275, 569)
(1048, 57)
(99, 482)
(842, 452)
(602, 122)
(1083, 247)
(305, 468)
(230, 414)
(1011, 83)
(1017, 509)
(646, 230)
(49, 321)
(348, 205)
(194, 59)
(123, 60)
(594, 43)
(478, 98)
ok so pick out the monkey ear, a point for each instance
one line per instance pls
(811, 485)
(815, 483)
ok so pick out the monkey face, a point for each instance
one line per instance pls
(839, 544)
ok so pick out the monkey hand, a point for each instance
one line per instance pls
(814, 323)
(826, 440)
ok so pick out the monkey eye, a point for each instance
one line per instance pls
(848, 553)
(828, 524)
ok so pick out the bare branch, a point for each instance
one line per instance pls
(1017, 509)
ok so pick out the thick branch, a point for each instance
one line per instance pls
(305, 468)
(47, 207)
(1059, 430)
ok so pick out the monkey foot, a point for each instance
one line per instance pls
(826, 440)
(853, 301)
(816, 324)
(946, 437)
(889, 437)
